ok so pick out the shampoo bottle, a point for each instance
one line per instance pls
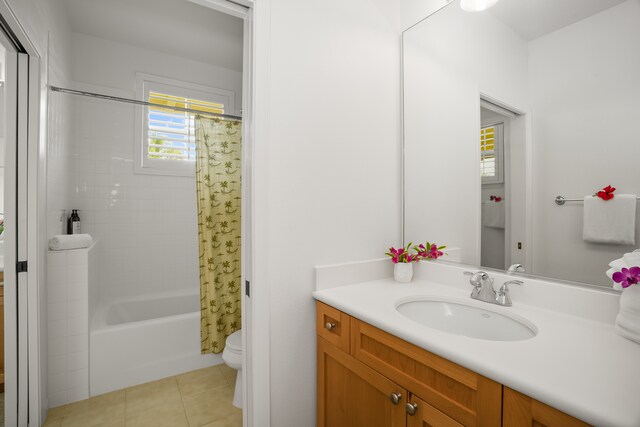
(75, 222)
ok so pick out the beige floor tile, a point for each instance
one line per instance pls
(209, 406)
(56, 422)
(112, 403)
(229, 374)
(158, 417)
(56, 413)
(169, 400)
(92, 419)
(164, 384)
(104, 410)
(233, 420)
(200, 381)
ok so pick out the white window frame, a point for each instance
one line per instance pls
(498, 152)
(146, 83)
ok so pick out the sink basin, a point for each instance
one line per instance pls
(457, 317)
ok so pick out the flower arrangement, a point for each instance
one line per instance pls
(429, 251)
(627, 276)
(420, 252)
(606, 193)
(401, 255)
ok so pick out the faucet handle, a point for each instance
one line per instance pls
(477, 278)
(503, 297)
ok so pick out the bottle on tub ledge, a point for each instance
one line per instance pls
(73, 223)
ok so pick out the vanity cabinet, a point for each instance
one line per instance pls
(521, 410)
(376, 379)
(368, 377)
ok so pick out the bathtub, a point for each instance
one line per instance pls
(136, 340)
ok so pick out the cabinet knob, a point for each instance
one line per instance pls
(412, 408)
(330, 326)
(395, 398)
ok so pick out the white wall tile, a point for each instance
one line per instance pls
(77, 325)
(57, 329)
(57, 346)
(76, 394)
(57, 311)
(78, 378)
(78, 343)
(58, 364)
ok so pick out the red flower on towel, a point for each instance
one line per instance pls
(606, 193)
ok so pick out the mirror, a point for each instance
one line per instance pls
(508, 108)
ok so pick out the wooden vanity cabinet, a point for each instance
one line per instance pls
(521, 410)
(376, 379)
(351, 394)
(368, 377)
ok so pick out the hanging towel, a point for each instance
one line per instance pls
(493, 214)
(612, 221)
(63, 242)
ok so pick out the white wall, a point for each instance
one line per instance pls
(146, 224)
(442, 117)
(412, 11)
(586, 135)
(333, 169)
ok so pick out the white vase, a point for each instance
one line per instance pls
(628, 320)
(403, 272)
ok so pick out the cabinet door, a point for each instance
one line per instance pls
(465, 396)
(421, 414)
(521, 410)
(351, 394)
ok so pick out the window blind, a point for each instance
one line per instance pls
(171, 133)
(488, 151)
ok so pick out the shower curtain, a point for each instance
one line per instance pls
(218, 184)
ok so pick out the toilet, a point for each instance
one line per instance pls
(232, 356)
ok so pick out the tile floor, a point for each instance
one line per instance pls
(196, 399)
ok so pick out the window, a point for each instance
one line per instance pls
(491, 154)
(165, 137)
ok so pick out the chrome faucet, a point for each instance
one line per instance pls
(483, 289)
(515, 268)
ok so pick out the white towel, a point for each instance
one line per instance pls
(628, 260)
(493, 214)
(63, 242)
(611, 221)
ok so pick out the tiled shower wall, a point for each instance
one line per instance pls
(146, 224)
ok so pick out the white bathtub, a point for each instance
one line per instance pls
(143, 339)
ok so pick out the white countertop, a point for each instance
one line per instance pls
(576, 363)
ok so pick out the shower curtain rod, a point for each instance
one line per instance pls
(138, 102)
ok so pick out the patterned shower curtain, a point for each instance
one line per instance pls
(218, 183)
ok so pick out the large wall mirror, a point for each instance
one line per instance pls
(509, 108)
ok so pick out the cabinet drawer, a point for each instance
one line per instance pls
(467, 397)
(333, 325)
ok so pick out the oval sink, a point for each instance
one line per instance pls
(458, 318)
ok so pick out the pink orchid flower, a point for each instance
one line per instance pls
(627, 276)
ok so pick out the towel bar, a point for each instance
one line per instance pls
(560, 200)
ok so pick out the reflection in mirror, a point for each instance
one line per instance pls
(506, 109)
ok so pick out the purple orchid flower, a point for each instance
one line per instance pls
(627, 276)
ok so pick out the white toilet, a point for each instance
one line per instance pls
(232, 356)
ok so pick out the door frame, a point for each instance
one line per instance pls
(255, 103)
(33, 238)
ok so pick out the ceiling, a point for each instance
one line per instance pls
(535, 18)
(176, 27)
